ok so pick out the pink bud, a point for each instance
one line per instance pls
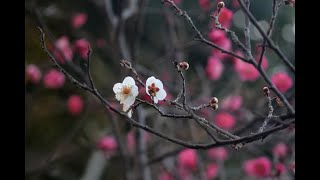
(280, 150)
(259, 167)
(107, 144)
(225, 120)
(282, 81)
(62, 50)
(33, 73)
(214, 68)
(211, 171)
(219, 153)
(53, 79)
(81, 46)
(79, 20)
(187, 159)
(75, 105)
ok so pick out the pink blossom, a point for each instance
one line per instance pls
(246, 71)
(280, 150)
(79, 20)
(75, 104)
(264, 63)
(211, 171)
(282, 81)
(204, 4)
(81, 46)
(187, 159)
(225, 120)
(53, 79)
(219, 153)
(214, 68)
(259, 167)
(165, 175)
(219, 37)
(107, 144)
(62, 45)
(280, 169)
(232, 103)
(225, 17)
(33, 73)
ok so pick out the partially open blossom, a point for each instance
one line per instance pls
(75, 105)
(63, 49)
(126, 92)
(214, 68)
(154, 88)
(33, 73)
(204, 4)
(225, 120)
(280, 150)
(82, 47)
(165, 175)
(232, 103)
(259, 167)
(211, 171)
(219, 153)
(282, 81)
(108, 144)
(79, 20)
(187, 159)
(53, 79)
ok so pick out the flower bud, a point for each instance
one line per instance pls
(266, 91)
(214, 100)
(183, 66)
(221, 4)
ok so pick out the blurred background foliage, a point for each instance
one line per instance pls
(51, 131)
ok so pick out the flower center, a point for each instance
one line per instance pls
(126, 90)
(153, 89)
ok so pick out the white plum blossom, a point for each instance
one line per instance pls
(154, 89)
(126, 92)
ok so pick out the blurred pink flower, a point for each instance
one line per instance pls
(264, 63)
(282, 81)
(232, 103)
(219, 37)
(246, 71)
(79, 20)
(33, 73)
(62, 45)
(108, 145)
(280, 169)
(225, 18)
(225, 120)
(75, 105)
(187, 159)
(211, 171)
(81, 46)
(259, 167)
(280, 150)
(214, 68)
(204, 4)
(219, 153)
(165, 175)
(53, 79)
(235, 4)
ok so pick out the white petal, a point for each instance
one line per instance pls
(117, 88)
(161, 94)
(128, 102)
(158, 84)
(119, 97)
(128, 81)
(155, 100)
(134, 90)
(149, 81)
(130, 113)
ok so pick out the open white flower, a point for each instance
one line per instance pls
(154, 89)
(126, 92)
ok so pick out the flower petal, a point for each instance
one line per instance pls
(128, 81)
(134, 90)
(119, 97)
(149, 81)
(128, 102)
(158, 84)
(130, 113)
(161, 94)
(155, 100)
(117, 88)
